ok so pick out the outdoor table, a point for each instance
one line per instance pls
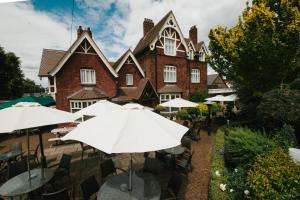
(176, 151)
(20, 184)
(7, 156)
(144, 186)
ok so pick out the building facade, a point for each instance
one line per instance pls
(164, 65)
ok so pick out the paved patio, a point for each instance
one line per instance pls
(195, 186)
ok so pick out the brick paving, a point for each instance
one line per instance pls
(195, 186)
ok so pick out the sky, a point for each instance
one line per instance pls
(29, 26)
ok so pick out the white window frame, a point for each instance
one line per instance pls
(170, 74)
(167, 97)
(50, 87)
(195, 76)
(87, 76)
(76, 105)
(202, 55)
(170, 46)
(129, 79)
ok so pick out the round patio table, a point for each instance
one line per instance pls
(20, 184)
(144, 186)
(176, 151)
(9, 155)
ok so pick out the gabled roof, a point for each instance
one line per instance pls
(200, 45)
(188, 41)
(74, 46)
(126, 94)
(211, 78)
(50, 58)
(120, 62)
(88, 93)
(153, 34)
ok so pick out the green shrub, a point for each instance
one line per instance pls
(198, 96)
(242, 146)
(275, 176)
(285, 137)
(203, 109)
(237, 182)
(216, 108)
(159, 108)
(183, 114)
(218, 164)
(193, 111)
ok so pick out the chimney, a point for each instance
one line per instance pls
(194, 34)
(88, 30)
(79, 31)
(147, 25)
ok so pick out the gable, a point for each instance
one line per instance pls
(84, 44)
(127, 58)
(151, 38)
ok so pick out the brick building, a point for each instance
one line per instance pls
(163, 65)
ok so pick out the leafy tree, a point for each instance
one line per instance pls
(261, 52)
(198, 96)
(31, 87)
(11, 76)
(280, 106)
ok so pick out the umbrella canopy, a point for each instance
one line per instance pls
(216, 98)
(232, 97)
(30, 115)
(98, 108)
(179, 103)
(128, 130)
(42, 100)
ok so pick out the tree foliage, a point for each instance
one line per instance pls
(261, 52)
(12, 82)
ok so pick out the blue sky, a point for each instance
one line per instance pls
(28, 27)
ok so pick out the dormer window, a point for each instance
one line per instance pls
(170, 48)
(129, 79)
(87, 76)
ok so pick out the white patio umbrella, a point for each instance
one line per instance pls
(131, 129)
(98, 108)
(26, 115)
(232, 97)
(216, 98)
(179, 103)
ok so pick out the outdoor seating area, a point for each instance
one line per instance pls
(82, 165)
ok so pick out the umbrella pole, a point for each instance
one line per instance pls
(130, 174)
(28, 164)
(43, 158)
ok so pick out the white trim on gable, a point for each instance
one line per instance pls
(175, 26)
(129, 53)
(72, 49)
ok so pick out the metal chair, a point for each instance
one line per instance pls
(173, 188)
(107, 168)
(184, 164)
(33, 155)
(17, 168)
(85, 148)
(59, 195)
(89, 187)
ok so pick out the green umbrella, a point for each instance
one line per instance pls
(42, 100)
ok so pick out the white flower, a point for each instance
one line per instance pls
(246, 192)
(231, 190)
(236, 170)
(223, 187)
(218, 173)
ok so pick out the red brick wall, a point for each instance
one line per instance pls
(202, 66)
(129, 69)
(68, 78)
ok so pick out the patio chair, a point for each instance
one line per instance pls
(85, 148)
(160, 155)
(153, 166)
(59, 195)
(173, 188)
(184, 164)
(89, 187)
(107, 168)
(186, 142)
(17, 168)
(33, 155)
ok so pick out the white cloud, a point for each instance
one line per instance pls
(26, 32)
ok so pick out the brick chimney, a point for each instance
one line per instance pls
(79, 31)
(194, 34)
(147, 25)
(88, 30)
